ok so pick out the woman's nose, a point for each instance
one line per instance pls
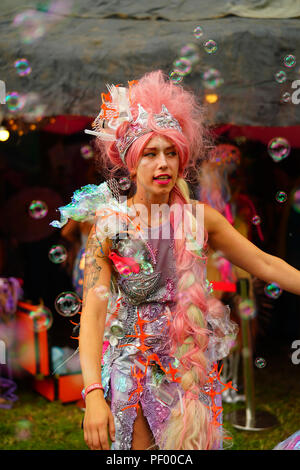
(162, 159)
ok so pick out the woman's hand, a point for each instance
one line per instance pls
(98, 422)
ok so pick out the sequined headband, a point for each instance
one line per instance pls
(115, 110)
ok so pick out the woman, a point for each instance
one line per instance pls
(148, 294)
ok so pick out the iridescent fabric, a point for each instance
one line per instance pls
(138, 369)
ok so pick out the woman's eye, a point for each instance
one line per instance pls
(173, 154)
(148, 154)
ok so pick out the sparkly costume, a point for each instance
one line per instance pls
(138, 368)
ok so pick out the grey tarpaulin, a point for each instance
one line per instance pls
(99, 42)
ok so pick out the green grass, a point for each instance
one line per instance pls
(56, 426)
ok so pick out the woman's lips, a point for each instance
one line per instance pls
(162, 181)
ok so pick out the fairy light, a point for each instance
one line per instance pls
(211, 98)
(4, 134)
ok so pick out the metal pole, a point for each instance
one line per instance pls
(248, 418)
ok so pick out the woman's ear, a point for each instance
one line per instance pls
(132, 174)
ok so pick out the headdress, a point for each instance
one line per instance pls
(116, 109)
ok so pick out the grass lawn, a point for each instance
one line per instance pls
(34, 423)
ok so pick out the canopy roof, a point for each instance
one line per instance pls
(92, 43)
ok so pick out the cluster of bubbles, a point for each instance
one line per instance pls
(29, 103)
(42, 319)
(67, 304)
(38, 209)
(273, 290)
(260, 362)
(289, 62)
(57, 254)
(210, 46)
(279, 148)
(281, 196)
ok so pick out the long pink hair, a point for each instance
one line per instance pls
(194, 429)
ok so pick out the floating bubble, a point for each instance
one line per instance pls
(57, 254)
(247, 309)
(296, 200)
(124, 183)
(256, 220)
(281, 196)
(116, 329)
(86, 152)
(198, 32)
(289, 61)
(210, 46)
(15, 101)
(182, 66)
(272, 290)
(279, 148)
(175, 77)
(212, 78)
(23, 430)
(33, 107)
(260, 362)
(102, 292)
(67, 304)
(42, 319)
(190, 52)
(286, 97)
(22, 66)
(38, 209)
(31, 25)
(280, 76)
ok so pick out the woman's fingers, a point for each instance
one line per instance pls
(111, 426)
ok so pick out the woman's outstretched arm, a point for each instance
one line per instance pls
(241, 252)
(98, 417)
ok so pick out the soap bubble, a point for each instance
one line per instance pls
(212, 78)
(86, 152)
(175, 77)
(281, 196)
(289, 61)
(116, 329)
(210, 46)
(15, 101)
(190, 52)
(57, 254)
(42, 319)
(124, 183)
(67, 304)
(182, 66)
(296, 200)
(280, 76)
(279, 148)
(260, 362)
(38, 209)
(33, 107)
(31, 25)
(286, 97)
(23, 429)
(198, 32)
(256, 220)
(272, 290)
(247, 309)
(102, 292)
(22, 66)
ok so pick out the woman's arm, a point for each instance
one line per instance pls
(92, 323)
(244, 254)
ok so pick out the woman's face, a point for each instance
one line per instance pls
(157, 170)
